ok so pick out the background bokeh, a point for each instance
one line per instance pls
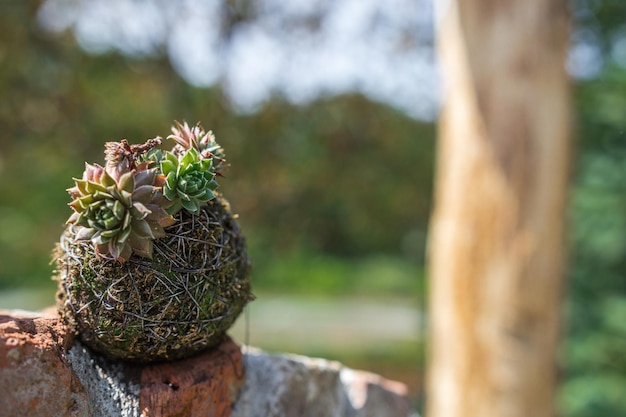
(327, 116)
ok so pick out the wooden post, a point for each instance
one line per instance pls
(496, 249)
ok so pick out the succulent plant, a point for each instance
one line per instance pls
(189, 180)
(122, 157)
(196, 138)
(121, 216)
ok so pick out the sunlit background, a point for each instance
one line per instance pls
(326, 110)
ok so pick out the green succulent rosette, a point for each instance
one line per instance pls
(120, 214)
(189, 181)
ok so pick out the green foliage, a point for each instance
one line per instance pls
(313, 273)
(594, 360)
(189, 180)
(594, 353)
(348, 177)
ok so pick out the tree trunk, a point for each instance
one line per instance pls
(497, 242)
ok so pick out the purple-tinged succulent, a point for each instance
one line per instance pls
(119, 212)
(196, 138)
(122, 157)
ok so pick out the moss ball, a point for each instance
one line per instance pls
(178, 303)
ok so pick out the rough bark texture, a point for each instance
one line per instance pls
(496, 259)
(43, 375)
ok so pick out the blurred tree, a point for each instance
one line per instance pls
(497, 246)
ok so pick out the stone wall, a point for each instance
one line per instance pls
(44, 372)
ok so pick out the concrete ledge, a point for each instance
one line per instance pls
(44, 372)
(293, 385)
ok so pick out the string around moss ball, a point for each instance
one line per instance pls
(177, 304)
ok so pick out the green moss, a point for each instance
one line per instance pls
(180, 302)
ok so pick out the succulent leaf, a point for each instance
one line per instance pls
(189, 181)
(196, 138)
(121, 157)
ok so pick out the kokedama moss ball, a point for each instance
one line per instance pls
(152, 265)
(176, 304)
